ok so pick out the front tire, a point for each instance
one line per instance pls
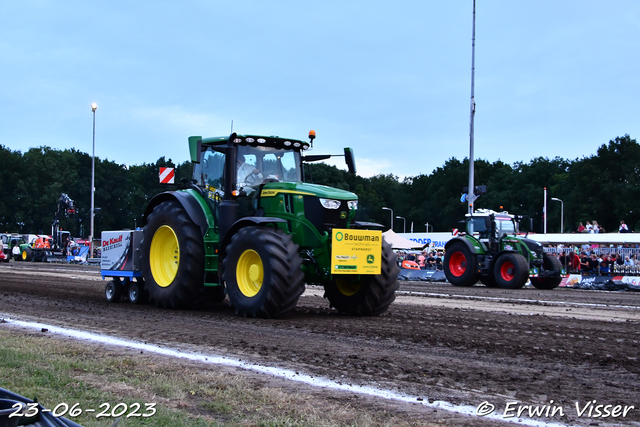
(262, 272)
(172, 257)
(459, 265)
(511, 271)
(365, 295)
(550, 263)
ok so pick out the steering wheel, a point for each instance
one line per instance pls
(254, 178)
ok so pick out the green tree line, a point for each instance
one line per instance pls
(603, 187)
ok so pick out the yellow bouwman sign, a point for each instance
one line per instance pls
(356, 251)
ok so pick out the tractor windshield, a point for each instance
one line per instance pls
(478, 226)
(256, 165)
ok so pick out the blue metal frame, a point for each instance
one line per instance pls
(114, 273)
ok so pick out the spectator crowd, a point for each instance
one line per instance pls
(424, 260)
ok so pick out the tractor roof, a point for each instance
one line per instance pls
(260, 141)
(487, 212)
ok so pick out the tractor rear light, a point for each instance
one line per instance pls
(305, 146)
(296, 144)
(287, 143)
(352, 204)
(237, 140)
(250, 140)
(261, 140)
(330, 203)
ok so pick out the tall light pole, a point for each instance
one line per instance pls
(404, 226)
(389, 209)
(544, 210)
(561, 213)
(471, 196)
(94, 107)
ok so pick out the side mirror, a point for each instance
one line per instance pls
(349, 158)
(195, 148)
(487, 222)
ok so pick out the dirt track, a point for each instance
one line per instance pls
(463, 346)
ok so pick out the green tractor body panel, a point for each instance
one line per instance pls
(299, 205)
(296, 203)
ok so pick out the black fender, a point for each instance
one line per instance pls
(241, 223)
(188, 202)
(461, 239)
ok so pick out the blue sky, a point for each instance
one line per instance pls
(392, 80)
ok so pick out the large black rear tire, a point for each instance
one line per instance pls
(262, 272)
(550, 263)
(26, 254)
(511, 271)
(367, 294)
(173, 257)
(460, 265)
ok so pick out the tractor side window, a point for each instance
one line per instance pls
(506, 227)
(477, 226)
(211, 169)
(290, 167)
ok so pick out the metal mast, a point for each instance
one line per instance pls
(471, 194)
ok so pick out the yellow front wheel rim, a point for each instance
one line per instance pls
(250, 273)
(164, 256)
(347, 287)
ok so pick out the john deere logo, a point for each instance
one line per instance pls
(370, 259)
(339, 236)
(343, 215)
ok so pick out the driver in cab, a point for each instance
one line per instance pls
(248, 173)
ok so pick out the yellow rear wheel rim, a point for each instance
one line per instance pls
(164, 256)
(24, 255)
(347, 287)
(250, 273)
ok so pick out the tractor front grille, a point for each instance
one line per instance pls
(325, 219)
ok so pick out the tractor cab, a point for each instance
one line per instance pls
(490, 228)
(239, 165)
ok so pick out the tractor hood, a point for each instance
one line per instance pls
(533, 246)
(304, 189)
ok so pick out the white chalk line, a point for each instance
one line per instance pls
(507, 300)
(276, 372)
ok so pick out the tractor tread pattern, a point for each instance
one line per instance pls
(376, 293)
(470, 277)
(285, 281)
(521, 271)
(551, 263)
(187, 288)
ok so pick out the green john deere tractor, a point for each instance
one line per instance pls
(492, 251)
(249, 227)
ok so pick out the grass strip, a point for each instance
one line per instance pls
(57, 370)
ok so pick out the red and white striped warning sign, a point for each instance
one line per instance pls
(167, 175)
